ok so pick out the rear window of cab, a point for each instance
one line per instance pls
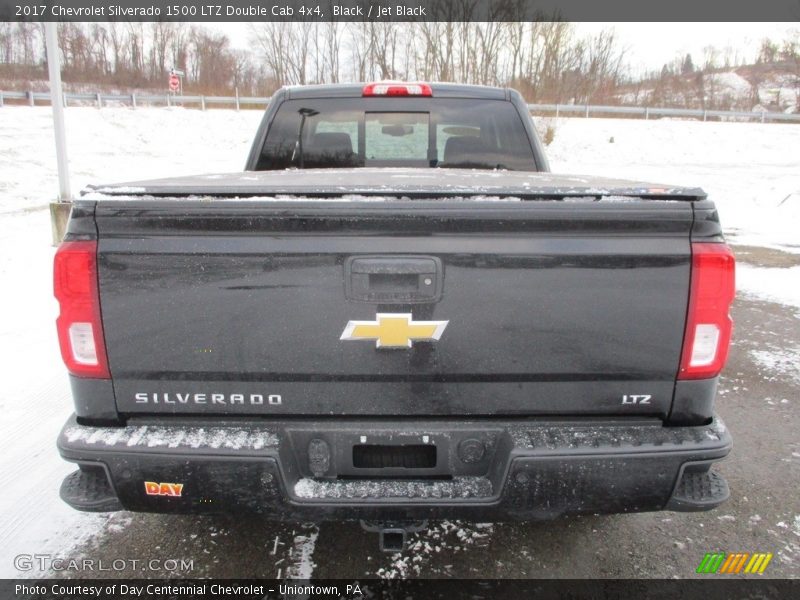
(397, 132)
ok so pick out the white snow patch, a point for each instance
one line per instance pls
(120, 522)
(781, 362)
(35, 400)
(301, 556)
(104, 194)
(122, 189)
(446, 536)
(115, 145)
(458, 487)
(726, 518)
(732, 83)
(780, 285)
(234, 438)
(750, 170)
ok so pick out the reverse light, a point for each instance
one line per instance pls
(397, 89)
(708, 323)
(80, 329)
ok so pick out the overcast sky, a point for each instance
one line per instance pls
(651, 45)
(648, 45)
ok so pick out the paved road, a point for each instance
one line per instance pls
(759, 400)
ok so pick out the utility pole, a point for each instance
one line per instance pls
(59, 210)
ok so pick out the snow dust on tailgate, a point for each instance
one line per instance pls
(394, 308)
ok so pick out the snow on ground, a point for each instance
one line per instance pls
(35, 400)
(752, 171)
(731, 83)
(778, 362)
(115, 145)
(301, 557)
(454, 536)
(780, 285)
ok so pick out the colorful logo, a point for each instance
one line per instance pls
(736, 562)
(152, 488)
(390, 330)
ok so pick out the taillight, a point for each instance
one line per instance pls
(708, 324)
(397, 89)
(80, 330)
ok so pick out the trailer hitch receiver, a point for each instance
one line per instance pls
(393, 535)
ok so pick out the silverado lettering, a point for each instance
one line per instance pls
(441, 308)
(202, 398)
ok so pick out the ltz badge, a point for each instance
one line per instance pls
(392, 330)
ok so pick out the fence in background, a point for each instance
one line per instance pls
(238, 102)
(646, 112)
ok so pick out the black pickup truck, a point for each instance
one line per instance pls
(395, 313)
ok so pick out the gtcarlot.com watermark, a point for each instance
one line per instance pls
(50, 562)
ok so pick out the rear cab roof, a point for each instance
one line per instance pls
(355, 90)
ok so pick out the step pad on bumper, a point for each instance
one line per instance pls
(89, 490)
(458, 487)
(699, 491)
(529, 468)
(559, 438)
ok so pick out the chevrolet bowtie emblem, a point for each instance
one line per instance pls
(394, 330)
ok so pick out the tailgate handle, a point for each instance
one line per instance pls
(393, 279)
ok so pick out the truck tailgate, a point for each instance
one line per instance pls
(232, 307)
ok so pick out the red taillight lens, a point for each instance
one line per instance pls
(397, 89)
(708, 324)
(80, 330)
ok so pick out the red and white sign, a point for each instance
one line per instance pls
(174, 82)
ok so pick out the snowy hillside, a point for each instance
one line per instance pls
(758, 87)
(751, 171)
(116, 144)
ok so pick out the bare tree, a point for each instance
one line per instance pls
(360, 50)
(790, 55)
(332, 49)
(116, 38)
(161, 39)
(136, 52)
(6, 42)
(384, 47)
(490, 39)
(284, 49)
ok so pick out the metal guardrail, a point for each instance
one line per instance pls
(134, 100)
(100, 99)
(647, 112)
